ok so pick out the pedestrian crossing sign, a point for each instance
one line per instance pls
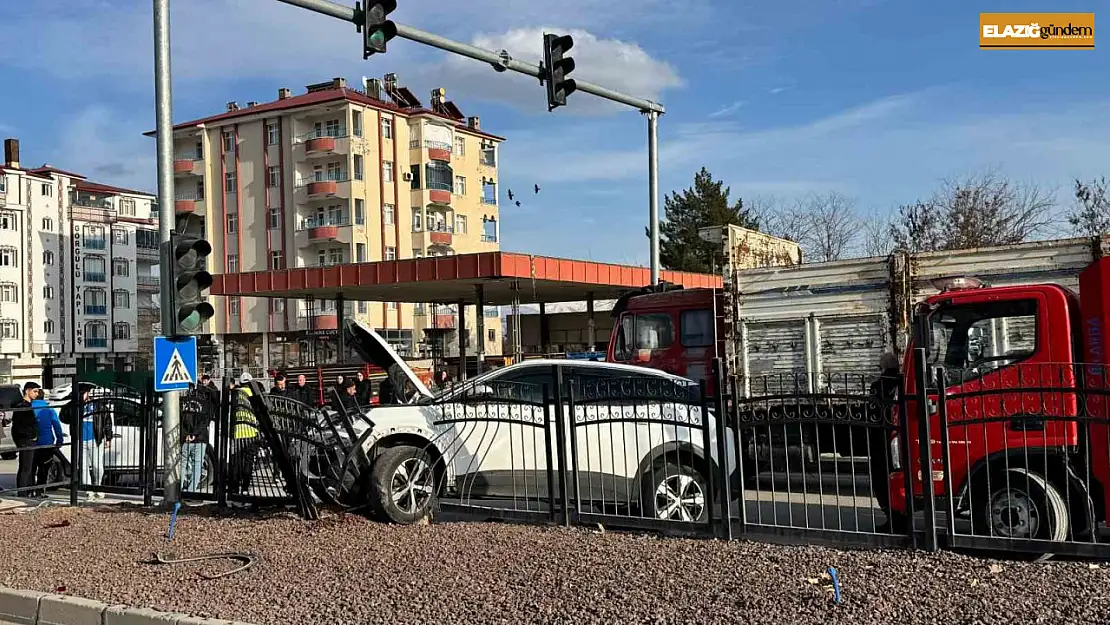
(175, 363)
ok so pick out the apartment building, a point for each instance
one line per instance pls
(77, 273)
(337, 175)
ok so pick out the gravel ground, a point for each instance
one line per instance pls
(350, 570)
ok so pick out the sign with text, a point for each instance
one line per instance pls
(1037, 31)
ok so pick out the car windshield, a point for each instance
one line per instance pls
(463, 387)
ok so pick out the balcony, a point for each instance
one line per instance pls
(325, 321)
(489, 238)
(437, 150)
(96, 342)
(324, 143)
(328, 186)
(439, 238)
(95, 277)
(187, 206)
(186, 165)
(95, 310)
(436, 194)
(147, 283)
(99, 243)
(444, 321)
(146, 253)
(323, 233)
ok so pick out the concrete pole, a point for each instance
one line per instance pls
(653, 192)
(171, 416)
(480, 293)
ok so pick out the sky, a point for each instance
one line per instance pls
(879, 100)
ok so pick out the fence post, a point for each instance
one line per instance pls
(75, 444)
(223, 410)
(149, 468)
(547, 452)
(721, 424)
(707, 449)
(565, 430)
(946, 456)
(925, 440)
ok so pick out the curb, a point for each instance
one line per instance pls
(27, 607)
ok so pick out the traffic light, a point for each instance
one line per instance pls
(376, 29)
(187, 253)
(556, 66)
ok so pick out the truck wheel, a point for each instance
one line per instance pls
(675, 492)
(402, 485)
(1021, 504)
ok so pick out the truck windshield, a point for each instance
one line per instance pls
(652, 331)
(974, 339)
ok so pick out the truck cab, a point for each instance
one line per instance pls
(677, 331)
(1022, 419)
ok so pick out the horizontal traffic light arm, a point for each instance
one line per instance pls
(347, 14)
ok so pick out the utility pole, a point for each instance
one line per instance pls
(171, 417)
(502, 61)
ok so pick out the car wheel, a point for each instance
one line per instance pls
(206, 474)
(402, 485)
(57, 473)
(1021, 505)
(675, 492)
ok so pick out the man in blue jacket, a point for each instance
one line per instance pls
(50, 433)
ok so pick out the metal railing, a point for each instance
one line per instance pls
(98, 243)
(341, 176)
(323, 133)
(95, 276)
(316, 222)
(416, 144)
(489, 238)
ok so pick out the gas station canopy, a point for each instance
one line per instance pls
(502, 276)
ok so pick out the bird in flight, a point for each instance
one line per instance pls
(537, 188)
(518, 202)
(510, 195)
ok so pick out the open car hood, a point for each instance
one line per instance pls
(376, 351)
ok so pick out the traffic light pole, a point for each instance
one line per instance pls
(501, 61)
(171, 418)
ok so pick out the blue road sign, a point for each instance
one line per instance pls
(175, 363)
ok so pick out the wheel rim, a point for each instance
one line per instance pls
(679, 497)
(412, 485)
(1014, 514)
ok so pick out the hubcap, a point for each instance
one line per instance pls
(1014, 514)
(412, 485)
(679, 497)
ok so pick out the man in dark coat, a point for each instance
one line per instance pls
(25, 433)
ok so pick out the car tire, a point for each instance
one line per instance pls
(402, 485)
(676, 492)
(1021, 505)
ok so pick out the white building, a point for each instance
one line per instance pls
(78, 281)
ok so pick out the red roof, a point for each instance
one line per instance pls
(449, 279)
(319, 97)
(47, 169)
(96, 187)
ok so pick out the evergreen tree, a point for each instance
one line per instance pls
(705, 204)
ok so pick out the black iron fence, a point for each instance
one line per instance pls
(1017, 456)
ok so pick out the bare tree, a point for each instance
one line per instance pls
(826, 225)
(974, 211)
(876, 235)
(1090, 215)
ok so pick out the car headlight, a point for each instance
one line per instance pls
(895, 453)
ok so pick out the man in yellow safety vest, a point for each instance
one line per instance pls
(245, 440)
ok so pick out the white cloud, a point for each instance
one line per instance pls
(618, 65)
(108, 149)
(728, 109)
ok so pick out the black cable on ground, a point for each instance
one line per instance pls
(247, 560)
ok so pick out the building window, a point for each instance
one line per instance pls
(94, 238)
(417, 252)
(271, 134)
(460, 224)
(9, 329)
(9, 292)
(387, 171)
(489, 155)
(335, 216)
(121, 299)
(460, 145)
(390, 253)
(277, 305)
(389, 214)
(9, 257)
(360, 252)
(47, 224)
(119, 236)
(199, 190)
(387, 128)
(47, 189)
(358, 167)
(230, 185)
(331, 128)
(439, 176)
(121, 330)
(414, 173)
(277, 259)
(275, 217)
(8, 221)
(48, 326)
(273, 176)
(489, 192)
(356, 123)
(233, 263)
(121, 267)
(362, 308)
(460, 185)
(233, 306)
(47, 257)
(491, 335)
(3, 184)
(335, 256)
(360, 214)
(229, 141)
(127, 206)
(96, 302)
(94, 268)
(48, 292)
(232, 224)
(417, 219)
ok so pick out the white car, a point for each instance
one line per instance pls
(484, 438)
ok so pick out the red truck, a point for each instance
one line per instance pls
(1027, 431)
